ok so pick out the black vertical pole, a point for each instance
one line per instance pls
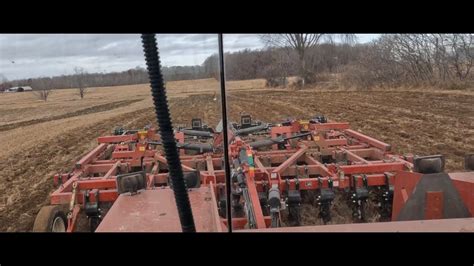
(226, 137)
(160, 101)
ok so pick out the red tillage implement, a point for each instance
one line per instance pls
(272, 166)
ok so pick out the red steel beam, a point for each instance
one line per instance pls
(116, 139)
(215, 211)
(289, 171)
(112, 170)
(332, 142)
(329, 126)
(356, 147)
(252, 189)
(277, 152)
(65, 197)
(210, 170)
(91, 155)
(278, 158)
(373, 153)
(96, 184)
(216, 162)
(133, 154)
(261, 167)
(313, 183)
(97, 168)
(298, 170)
(376, 143)
(311, 160)
(354, 157)
(290, 160)
(68, 185)
(209, 165)
(103, 162)
(163, 160)
(372, 168)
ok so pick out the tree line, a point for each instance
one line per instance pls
(440, 60)
(80, 78)
(436, 60)
(443, 60)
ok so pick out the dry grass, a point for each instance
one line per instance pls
(18, 107)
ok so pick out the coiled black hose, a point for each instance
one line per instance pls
(166, 131)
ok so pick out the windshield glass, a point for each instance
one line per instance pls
(322, 130)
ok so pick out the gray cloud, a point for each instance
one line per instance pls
(34, 55)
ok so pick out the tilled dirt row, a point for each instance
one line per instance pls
(90, 110)
(419, 123)
(26, 178)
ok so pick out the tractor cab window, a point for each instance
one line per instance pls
(272, 132)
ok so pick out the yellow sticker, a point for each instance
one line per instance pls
(316, 138)
(142, 148)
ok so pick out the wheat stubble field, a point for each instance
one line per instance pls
(39, 139)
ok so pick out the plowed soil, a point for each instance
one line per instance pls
(40, 139)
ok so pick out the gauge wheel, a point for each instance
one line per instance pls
(50, 219)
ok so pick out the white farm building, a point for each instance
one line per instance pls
(19, 89)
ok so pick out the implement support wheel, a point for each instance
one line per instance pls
(50, 219)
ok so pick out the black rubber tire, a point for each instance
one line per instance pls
(45, 219)
(469, 162)
(429, 164)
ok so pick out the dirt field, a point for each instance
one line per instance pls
(39, 139)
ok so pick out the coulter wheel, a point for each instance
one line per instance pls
(50, 219)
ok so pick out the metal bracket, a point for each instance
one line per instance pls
(325, 198)
(359, 197)
(386, 198)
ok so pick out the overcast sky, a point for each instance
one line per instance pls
(35, 55)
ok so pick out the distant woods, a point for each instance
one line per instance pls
(441, 60)
(437, 60)
(81, 79)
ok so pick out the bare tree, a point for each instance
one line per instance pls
(431, 58)
(42, 88)
(43, 94)
(442, 60)
(276, 72)
(301, 43)
(461, 47)
(80, 76)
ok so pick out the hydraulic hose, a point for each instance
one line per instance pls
(166, 131)
(197, 133)
(249, 130)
